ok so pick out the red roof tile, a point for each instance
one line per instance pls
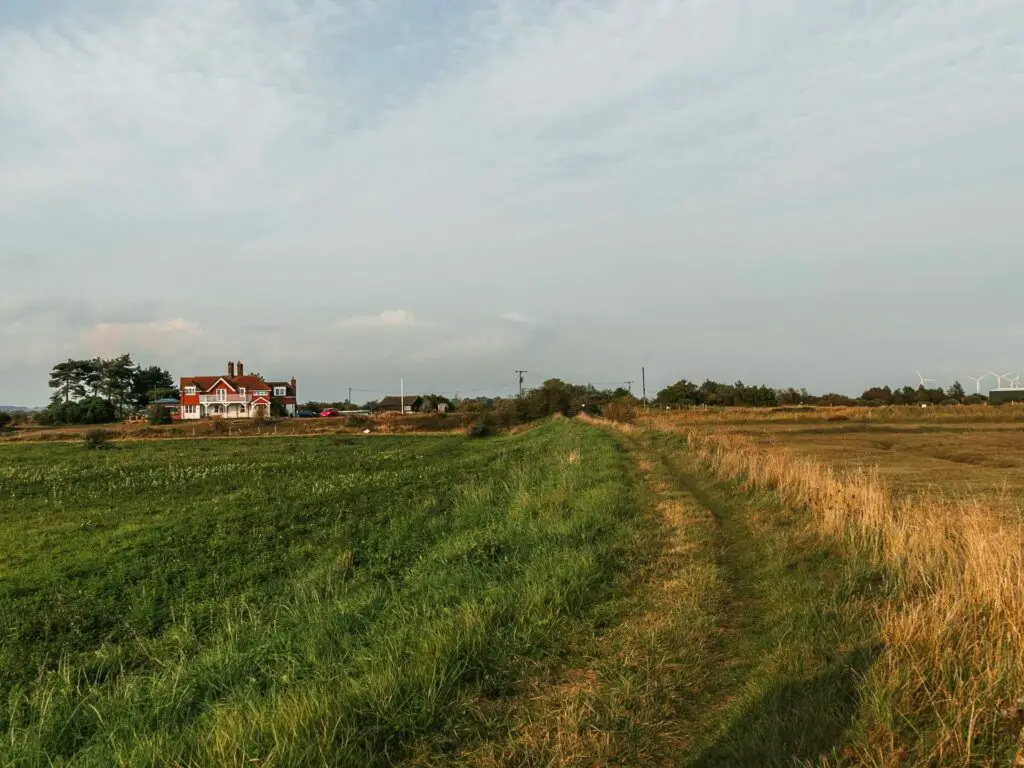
(206, 383)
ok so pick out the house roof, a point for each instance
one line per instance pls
(206, 383)
(396, 400)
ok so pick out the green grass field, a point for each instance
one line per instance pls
(574, 595)
(297, 601)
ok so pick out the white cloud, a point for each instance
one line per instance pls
(684, 160)
(169, 337)
(515, 317)
(176, 325)
(389, 318)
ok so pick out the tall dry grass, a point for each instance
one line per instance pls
(811, 414)
(949, 685)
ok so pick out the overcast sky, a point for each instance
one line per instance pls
(821, 194)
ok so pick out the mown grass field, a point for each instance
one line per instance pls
(309, 601)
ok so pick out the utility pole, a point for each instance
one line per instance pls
(643, 378)
(401, 409)
(521, 374)
(350, 395)
(629, 386)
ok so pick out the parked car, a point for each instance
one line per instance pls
(330, 412)
(307, 414)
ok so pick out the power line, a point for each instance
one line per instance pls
(521, 374)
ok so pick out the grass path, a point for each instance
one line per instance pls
(743, 644)
(791, 639)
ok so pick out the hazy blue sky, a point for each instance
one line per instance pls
(823, 194)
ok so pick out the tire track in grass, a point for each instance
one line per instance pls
(742, 643)
(794, 634)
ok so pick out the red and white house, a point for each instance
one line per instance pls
(234, 396)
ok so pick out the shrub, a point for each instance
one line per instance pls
(5, 419)
(483, 426)
(89, 410)
(358, 421)
(218, 427)
(97, 439)
(158, 414)
(622, 410)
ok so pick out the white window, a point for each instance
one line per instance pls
(241, 391)
(280, 391)
(222, 394)
(190, 390)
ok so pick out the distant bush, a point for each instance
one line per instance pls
(358, 421)
(97, 439)
(507, 413)
(218, 426)
(484, 426)
(5, 419)
(622, 410)
(158, 414)
(88, 410)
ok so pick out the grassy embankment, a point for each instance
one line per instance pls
(298, 602)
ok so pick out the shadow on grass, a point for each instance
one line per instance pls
(794, 721)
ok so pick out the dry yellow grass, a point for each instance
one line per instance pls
(980, 459)
(951, 676)
(902, 414)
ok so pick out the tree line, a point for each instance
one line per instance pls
(97, 390)
(686, 394)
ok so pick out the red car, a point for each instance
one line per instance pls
(330, 412)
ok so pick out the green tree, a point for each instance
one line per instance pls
(116, 377)
(149, 384)
(91, 373)
(956, 391)
(66, 379)
(682, 393)
(882, 395)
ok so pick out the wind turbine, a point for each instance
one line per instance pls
(977, 382)
(998, 379)
(1015, 381)
(923, 379)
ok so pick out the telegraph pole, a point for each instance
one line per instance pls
(629, 386)
(643, 378)
(521, 374)
(350, 395)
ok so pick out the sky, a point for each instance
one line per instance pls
(800, 193)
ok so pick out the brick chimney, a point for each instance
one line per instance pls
(231, 370)
(241, 368)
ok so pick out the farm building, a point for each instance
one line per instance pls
(1008, 395)
(234, 395)
(395, 403)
